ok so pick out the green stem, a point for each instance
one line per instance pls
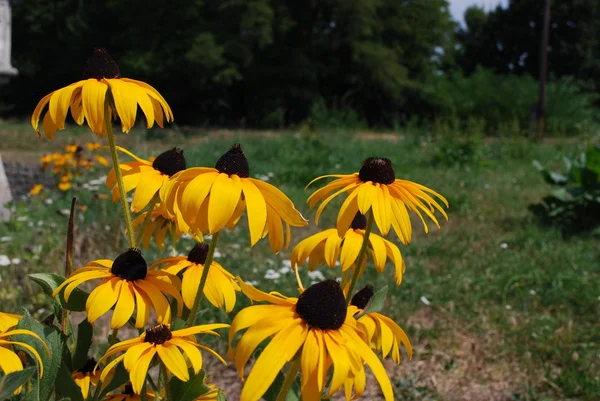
(115, 160)
(289, 379)
(68, 262)
(209, 258)
(113, 338)
(147, 219)
(361, 256)
(165, 380)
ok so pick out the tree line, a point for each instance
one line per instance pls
(272, 63)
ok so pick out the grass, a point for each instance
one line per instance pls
(513, 307)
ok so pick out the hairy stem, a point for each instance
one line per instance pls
(361, 257)
(209, 258)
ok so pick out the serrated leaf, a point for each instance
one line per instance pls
(12, 381)
(376, 303)
(85, 331)
(191, 389)
(54, 341)
(65, 385)
(50, 281)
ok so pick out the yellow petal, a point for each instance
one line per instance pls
(350, 248)
(9, 361)
(124, 307)
(133, 354)
(138, 374)
(257, 210)
(107, 295)
(192, 353)
(37, 112)
(224, 197)
(93, 94)
(281, 203)
(280, 350)
(171, 357)
(60, 102)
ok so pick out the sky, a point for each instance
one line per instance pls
(458, 7)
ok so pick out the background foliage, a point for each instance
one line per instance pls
(274, 63)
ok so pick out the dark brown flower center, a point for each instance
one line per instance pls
(359, 222)
(88, 366)
(234, 162)
(362, 298)
(158, 334)
(377, 169)
(198, 254)
(130, 265)
(170, 162)
(323, 305)
(128, 390)
(101, 65)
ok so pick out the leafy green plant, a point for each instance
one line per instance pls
(575, 205)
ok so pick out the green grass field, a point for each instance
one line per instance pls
(497, 307)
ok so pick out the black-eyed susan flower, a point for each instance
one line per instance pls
(8, 320)
(162, 222)
(102, 160)
(210, 199)
(9, 360)
(316, 328)
(65, 182)
(382, 333)
(375, 188)
(87, 99)
(127, 284)
(127, 394)
(327, 246)
(86, 377)
(220, 285)
(36, 189)
(172, 348)
(146, 177)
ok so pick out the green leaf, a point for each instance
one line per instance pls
(592, 159)
(178, 324)
(120, 377)
(65, 385)
(10, 382)
(190, 390)
(221, 396)
(275, 387)
(51, 361)
(376, 302)
(85, 331)
(50, 281)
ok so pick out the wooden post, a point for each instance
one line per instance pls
(543, 77)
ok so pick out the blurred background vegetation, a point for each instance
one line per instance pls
(276, 63)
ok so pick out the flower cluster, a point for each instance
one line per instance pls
(327, 334)
(71, 164)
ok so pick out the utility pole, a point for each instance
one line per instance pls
(541, 107)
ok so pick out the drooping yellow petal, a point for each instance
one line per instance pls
(346, 214)
(225, 195)
(143, 305)
(350, 249)
(138, 373)
(37, 112)
(280, 350)
(257, 210)
(93, 94)
(281, 203)
(379, 251)
(60, 102)
(127, 96)
(190, 284)
(133, 354)
(171, 357)
(382, 209)
(149, 183)
(192, 353)
(107, 295)
(159, 302)
(341, 364)
(332, 249)
(124, 307)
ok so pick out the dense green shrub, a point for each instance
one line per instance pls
(505, 102)
(575, 205)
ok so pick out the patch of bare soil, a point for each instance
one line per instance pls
(455, 366)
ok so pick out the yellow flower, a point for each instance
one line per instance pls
(85, 377)
(65, 182)
(102, 160)
(126, 284)
(86, 163)
(162, 222)
(327, 246)
(91, 146)
(86, 100)
(8, 320)
(209, 199)
(382, 333)
(146, 177)
(9, 360)
(220, 285)
(376, 188)
(315, 328)
(36, 189)
(73, 148)
(165, 343)
(127, 394)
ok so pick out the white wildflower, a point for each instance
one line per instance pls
(15, 261)
(316, 275)
(425, 300)
(272, 275)
(4, 260)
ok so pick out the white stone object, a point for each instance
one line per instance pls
(6, 69)
(5, 195)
